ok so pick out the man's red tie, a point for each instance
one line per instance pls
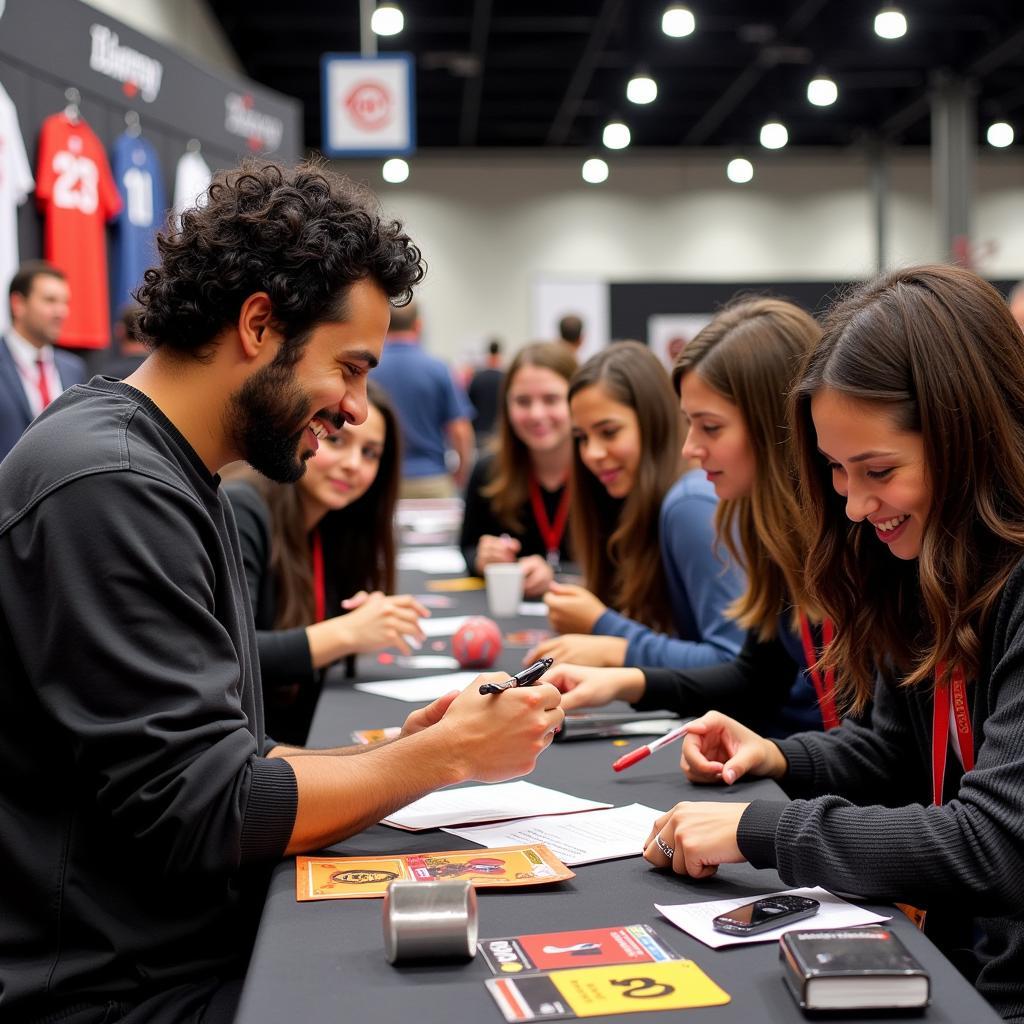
(44, 387)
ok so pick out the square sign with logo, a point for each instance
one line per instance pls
(368, 104)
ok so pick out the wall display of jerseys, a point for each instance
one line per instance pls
(76, 194)
(79, 193)
(144, 207)
(16, 184)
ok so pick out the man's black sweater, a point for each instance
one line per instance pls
(137, 807)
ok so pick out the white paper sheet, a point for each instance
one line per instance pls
(533, 608)
(421, 690)
(486, 803)
(573, 838)
(445, 625)
(432, 560)
(695, 918)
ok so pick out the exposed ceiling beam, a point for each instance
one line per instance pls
(580, 81)
(985, 63)
(469, 119)
(744, 84)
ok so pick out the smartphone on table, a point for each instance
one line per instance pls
(764, 914)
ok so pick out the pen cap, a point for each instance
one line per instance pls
(430, 921)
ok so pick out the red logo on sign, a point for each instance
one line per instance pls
(369, 104)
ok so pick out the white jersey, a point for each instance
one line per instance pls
(16, 184)
(191, 180)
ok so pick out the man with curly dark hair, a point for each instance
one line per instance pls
(141, 803)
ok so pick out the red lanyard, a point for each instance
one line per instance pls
(825, 689)
(551, 532)
(951, 692)
(319, 597)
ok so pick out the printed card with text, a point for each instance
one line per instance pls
(341, 878)
(591, 947)
(595, 991)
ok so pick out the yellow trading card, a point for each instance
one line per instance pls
(674, 985)
(461, 583)
(597, 991)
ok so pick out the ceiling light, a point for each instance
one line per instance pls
(387, 20)
(822, 91)
(678, 21)
(395, 170)
(595, 170)
(774, 135)
(641, 88)
(615, 135)
(890, 23)
(740, 170)
(1000, 134)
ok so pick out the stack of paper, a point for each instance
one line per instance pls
(486, 803)
(696, 918)
(421, 690)
(574, 838)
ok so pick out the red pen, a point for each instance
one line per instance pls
(645, 751)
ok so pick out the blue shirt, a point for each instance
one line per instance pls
(700, 586)
(143, 209)
(426, 400)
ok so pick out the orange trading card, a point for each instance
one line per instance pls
(339, 878)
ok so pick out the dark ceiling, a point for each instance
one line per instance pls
(531, 73)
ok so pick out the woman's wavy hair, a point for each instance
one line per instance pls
(303, 235)
(751, 354)
(508, 488)
(358, 540)
(935, 349)
(617, 540)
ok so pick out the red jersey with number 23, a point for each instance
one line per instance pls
(77, 195)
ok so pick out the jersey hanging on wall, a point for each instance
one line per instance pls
(77, 195)
(192, 178)
(143, 212)
(15, 187)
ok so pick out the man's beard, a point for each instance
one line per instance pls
(266, 418)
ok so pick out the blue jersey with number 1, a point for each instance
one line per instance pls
(144, 207)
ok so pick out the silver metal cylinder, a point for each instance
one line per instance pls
(430, 921)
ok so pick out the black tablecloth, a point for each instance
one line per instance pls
(324, 961)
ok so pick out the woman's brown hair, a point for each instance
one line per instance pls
(508, 488)
(617, 540)
(751, 354)
(358, 540)
(934, 348)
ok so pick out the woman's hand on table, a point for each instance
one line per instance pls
(495, 549)
(376, 621)
(537, 575)
(700, 836)
(585, 687)
(598, 651)
(717, 748)
(572, 609)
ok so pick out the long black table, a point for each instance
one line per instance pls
(324, 961)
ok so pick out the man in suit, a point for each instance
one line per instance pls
(32, 371)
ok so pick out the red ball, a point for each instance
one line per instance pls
(477, 642)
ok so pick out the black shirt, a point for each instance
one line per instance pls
(137, 808)
(479, 519)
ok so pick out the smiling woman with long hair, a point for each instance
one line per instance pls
(732, 380)
(909, 425)
(517, 500)
(315, 547)
(655, 591)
